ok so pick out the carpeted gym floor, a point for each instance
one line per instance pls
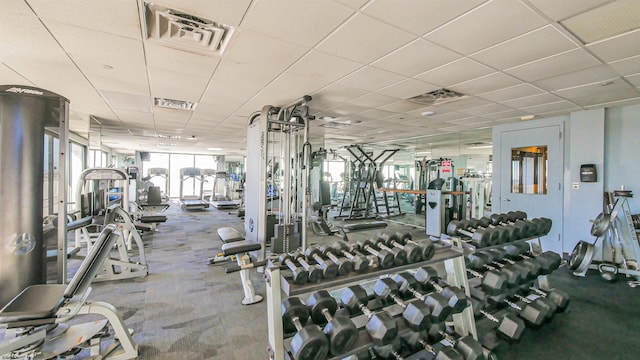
(186, 309)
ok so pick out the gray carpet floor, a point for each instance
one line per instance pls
(186, 309)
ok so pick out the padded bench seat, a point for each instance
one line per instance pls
(239, 247)
(151, 219)
(229, 235)
(364, 226)
(34, 302)
(80, 223)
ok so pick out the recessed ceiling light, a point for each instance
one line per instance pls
(107, 67)
(192, 138)
(427, 113)
(326, 118)
(480, 147)
(214, 149)
(174, 104)
(173, 137)
(606, 83)
(527, 117)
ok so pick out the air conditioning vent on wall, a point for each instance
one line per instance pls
(437, 97)
(184, 31)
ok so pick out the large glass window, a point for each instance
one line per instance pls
(177, 162)
(76, 166)
(157, 160)
(529, 170)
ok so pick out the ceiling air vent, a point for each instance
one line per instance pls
(184, 31)
(174, 104)
(437, 97)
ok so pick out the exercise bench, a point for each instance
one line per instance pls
(229, 235)
(241, 251)
(36, 319)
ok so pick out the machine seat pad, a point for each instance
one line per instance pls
(80, 223)
(229, 235)
(239, 247)
(34, 302)
(149, 219)
(364, 226)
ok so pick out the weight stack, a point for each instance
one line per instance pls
(24, 113)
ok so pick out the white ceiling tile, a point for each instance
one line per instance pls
(472, 121)
(225, 12)
(338, 93)
(373, 100)
(532, 100)
(364, 39)
(534, 45)
(484, 84)
(627, 66)
(225, 84)
(130, 102)
(513, 92)
(551, 107)
(114, 17)
(408, 88)
(464, 103)
(354, 4)
(418, 16)
(625, 102)
(402, 106)
(559, 10)
(569, 61)
(634, 79)
(485, 109)
(18, 7)
(166, 58)
(486, 25)
(280, 18)
(216, 108)
(135, 117)
(416, 57)
(8, 76)
(118, 82)
(509, 114)
(617, 47)
(178, 86)
(346, 109)
(370, 79)
(376, 114)
(577, 78)
(285, 89)
(595, 93)
(274, 55)
(321, 66)
(455, 72)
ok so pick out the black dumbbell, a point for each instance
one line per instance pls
(516, 218)
(529, 268)
(416, 341)
(341, 331)
(329, 269)
(492, 281)
(300, 275)
(532, 312)
(549, 260)
(437, 303)
(385, 258)
(416, 314)
(359, 261)
(429, 279)
(560, 298)
(479, 238)
(426, 245)
(344, 265)
(399, 255)
(315, 273)
(504, 233)
(467, 346)
(414, 253)
(380, 326)
(509, 326)
(388, 351)
(481, 260)
(309, 343)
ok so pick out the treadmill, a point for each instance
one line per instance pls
(220, 198)
(192, 202)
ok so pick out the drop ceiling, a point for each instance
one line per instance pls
(360, 60)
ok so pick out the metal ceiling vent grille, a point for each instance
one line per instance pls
(184, 31)
(174, 104)
(437, 97)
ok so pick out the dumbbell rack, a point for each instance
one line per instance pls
(277, 286)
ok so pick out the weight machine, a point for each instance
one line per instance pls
(278, 136)
(619, 242)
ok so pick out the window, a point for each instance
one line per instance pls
(76, 166)
(529, 170)
(179, 161)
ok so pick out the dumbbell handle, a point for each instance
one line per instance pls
(465, 232)
(427, 346)
(448, 337)
(365, 310)
(398, 301)
(348, 255)
(371, 250)
(296, 322)
(416, 294)
(332, 257)
(327, 314)
(539, 292)
(291, 265)
(513, 305)
(382, 246)
(489, 316)
(522, 298)
(436, 286)
(319, 260)
(303, 262)
(474, 273)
